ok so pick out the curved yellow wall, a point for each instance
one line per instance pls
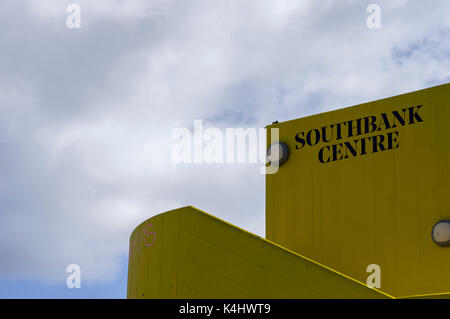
(186, 253)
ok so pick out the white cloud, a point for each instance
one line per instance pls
(87, 114)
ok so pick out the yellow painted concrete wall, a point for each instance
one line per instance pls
(186, 253)
(377, 208)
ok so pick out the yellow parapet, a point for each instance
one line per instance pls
(186, 253)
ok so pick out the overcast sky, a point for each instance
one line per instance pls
(87, 114)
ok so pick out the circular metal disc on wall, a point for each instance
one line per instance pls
(281, 157)
(441, 233)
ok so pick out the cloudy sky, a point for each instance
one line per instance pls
(87, 114)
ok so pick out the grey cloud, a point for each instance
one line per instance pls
(87, 115)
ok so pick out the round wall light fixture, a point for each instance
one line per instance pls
(280, 157)
(441, 233)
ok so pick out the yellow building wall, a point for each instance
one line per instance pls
(186, 253)
(377, 208)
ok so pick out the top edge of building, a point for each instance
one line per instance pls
(355, 106)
